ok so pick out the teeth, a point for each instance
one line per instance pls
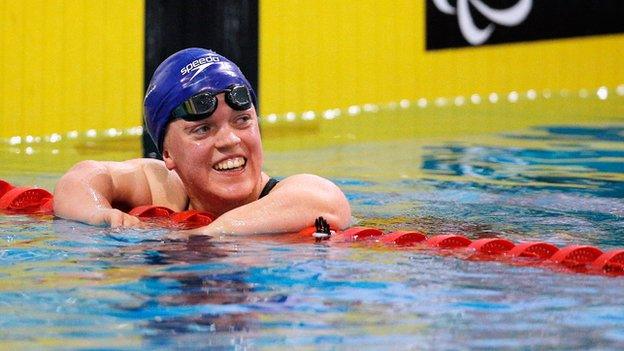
(230, 164)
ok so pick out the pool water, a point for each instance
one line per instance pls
(65, 285)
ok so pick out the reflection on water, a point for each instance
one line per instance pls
(68, 285)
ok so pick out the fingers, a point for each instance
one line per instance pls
(118, 219)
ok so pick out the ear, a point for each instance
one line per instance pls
(169, 162)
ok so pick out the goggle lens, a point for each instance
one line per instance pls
(203, 105)
(238, 98)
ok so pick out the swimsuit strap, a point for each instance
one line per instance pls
(268, 187)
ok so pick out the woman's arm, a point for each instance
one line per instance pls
(291, 206)
(92, 191)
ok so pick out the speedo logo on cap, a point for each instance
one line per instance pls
(199, 65)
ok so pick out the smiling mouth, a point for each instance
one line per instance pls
(232, 164)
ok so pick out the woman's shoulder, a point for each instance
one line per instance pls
(310, 184)
(305, 178)
(165, 185)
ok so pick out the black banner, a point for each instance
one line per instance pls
(461, 23)
(227, 27)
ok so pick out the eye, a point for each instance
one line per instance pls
(243, 120)
(201, 129)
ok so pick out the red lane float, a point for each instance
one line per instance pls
(192, 218)
(357, 234)
(150, 211)
(489, 248)
(167, 217)
(26, 200)
(47, 206)
(575, 258)
(4, 187)
(448, 241)
(403, 238)
(534, 250)
(609, 263)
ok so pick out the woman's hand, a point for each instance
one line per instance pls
(113, 218)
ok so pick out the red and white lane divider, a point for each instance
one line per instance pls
(31, 200)
(167, 217)
(24, 199)
(573, 259)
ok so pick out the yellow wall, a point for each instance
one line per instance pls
(318, 54)
(78, 64)
(70, 65)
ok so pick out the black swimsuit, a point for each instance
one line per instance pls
(268, 187)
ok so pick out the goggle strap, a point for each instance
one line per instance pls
(179, 111)
(190, 106)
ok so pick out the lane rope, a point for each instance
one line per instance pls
(584, 259)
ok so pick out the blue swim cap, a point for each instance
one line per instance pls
(181, 76)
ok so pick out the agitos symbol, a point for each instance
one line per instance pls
(473, 23)
(508, 17)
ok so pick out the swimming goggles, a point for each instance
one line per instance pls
(203, 105)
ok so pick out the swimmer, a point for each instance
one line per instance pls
(201, 113)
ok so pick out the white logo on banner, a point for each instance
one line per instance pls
(509, 17)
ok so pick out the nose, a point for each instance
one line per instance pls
(226, 138)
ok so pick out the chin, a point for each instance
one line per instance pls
(236, 184)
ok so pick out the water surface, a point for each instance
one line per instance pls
(68, 285)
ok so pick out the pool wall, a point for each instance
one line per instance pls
(69, 66)
(316, 55)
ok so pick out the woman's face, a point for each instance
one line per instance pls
(218, 158)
